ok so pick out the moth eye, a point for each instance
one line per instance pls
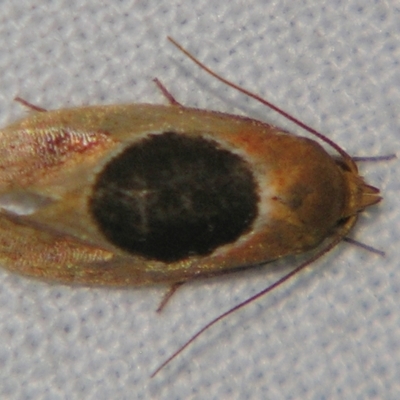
(170, 196)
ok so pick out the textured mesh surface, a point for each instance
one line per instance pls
(332, 333)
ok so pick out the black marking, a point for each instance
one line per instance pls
(171, 196)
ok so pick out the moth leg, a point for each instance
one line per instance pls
(29, 105)
(166, 93)
(167, 296)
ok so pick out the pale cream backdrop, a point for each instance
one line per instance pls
(333, 333)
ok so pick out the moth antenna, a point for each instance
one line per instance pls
(348, 159)
(338, 237)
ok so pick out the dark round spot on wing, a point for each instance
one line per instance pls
(171, 196)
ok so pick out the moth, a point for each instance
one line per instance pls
(141, 194)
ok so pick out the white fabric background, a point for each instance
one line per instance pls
(333, 333)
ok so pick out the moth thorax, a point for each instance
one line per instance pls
(170, 196)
